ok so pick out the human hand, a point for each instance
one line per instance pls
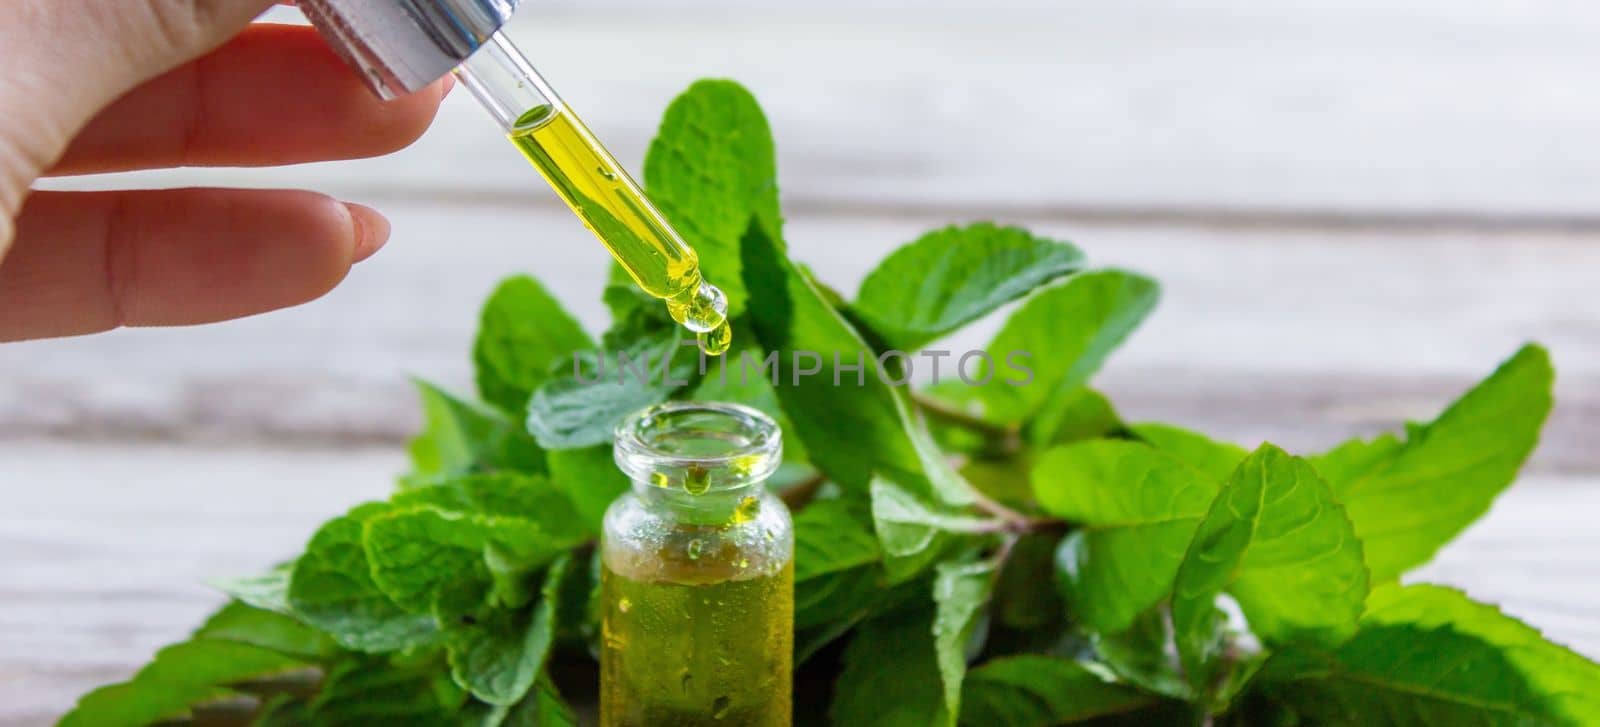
(114, 85)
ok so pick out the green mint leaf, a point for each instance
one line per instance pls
(906, 525)
(498, 654)
(851, 431)
(580, 408)
(1356, 458)
(1062, 335)
(530, 497)
(543, 707)
(1410, 503)
(1137, 509)
(461, 437)
(590, 479)
(331, 587)
(953, 276)
(267, 629)
(1278, 542)
(960, 592)
(523, 330)
(222, 662)
(712, 169)
(1041, 691)
(282, 710)
(1073, 417)
(838, 577)
(137, 704)
(181, 678)
(891, 674)
(268, 591)
(1142, 655)
(835, 563)
(913, 531)
(1426, 655)
(388, 691)
(417, 554)
(1216, 459)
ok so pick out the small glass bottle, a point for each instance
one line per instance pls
(697, 580)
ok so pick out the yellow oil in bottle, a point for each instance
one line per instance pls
(699, 653)
(613, 207)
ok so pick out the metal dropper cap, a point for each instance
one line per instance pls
(401, 46)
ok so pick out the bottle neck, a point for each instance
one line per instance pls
(716, 506)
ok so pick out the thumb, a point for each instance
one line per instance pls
(67, 59)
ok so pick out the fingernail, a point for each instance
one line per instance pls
(372, 230)
(449, 85)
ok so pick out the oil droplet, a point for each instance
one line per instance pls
(609, 175)
(660, 479)
(694, 549)
(744, 564)
(717, 341)
(701, 309)
(624, 605)
(696, 480)
(719, 708)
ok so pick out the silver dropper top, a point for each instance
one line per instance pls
(401, 46)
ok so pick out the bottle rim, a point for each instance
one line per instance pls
(698, 446)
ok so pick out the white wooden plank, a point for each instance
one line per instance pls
(105, 547)
(1297, 336)
(1423, 107)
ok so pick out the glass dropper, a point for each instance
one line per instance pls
(591, 181)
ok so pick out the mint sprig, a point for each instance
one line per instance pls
(992, 555)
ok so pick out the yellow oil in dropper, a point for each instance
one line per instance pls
(616, 210)
(597, 188)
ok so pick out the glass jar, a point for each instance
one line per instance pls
(697, 579)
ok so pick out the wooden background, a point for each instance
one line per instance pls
(1357, 209)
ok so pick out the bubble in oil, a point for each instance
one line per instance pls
(719, 708)
(695, 546)
(609, 175)
(624, 605)
(688, 682)
(660, 479)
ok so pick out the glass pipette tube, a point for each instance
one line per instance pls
(611, 204)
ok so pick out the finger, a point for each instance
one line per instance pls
(276, 94)
(67, 59)
(87, 262)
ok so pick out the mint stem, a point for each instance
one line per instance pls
(952, 415)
